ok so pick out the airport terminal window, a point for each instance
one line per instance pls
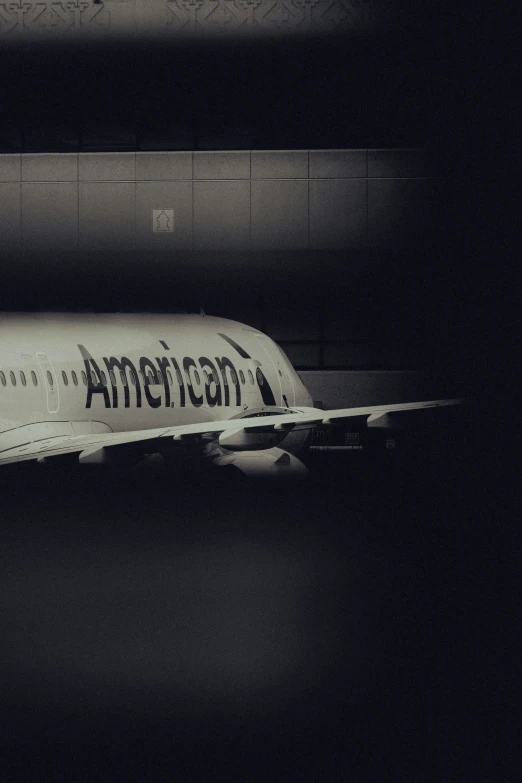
(242, 376)
(65, 379)
(35, 379)
(50, 379)
(84, 378)
(74, 378)
(22, 378)
(13, 378)
(250, 376)
(2, 378)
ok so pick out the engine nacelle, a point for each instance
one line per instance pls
(239, 440)
(266, 463)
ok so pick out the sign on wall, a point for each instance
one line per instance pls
(163, 221)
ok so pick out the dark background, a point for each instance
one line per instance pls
(158, 629)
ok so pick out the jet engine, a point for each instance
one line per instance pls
(266, 463)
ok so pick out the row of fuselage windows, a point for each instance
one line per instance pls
(146, 379)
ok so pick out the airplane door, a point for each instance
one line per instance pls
(267, 375)
(50, 381)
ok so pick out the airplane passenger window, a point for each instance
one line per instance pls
(140, 375)
(159, 376)
(65, 379)
(22, 378)
(132, 378)
(259, 376)
(123, 378)
(103, 377)
(150, 378)
(169, 376)
(13, 379)
(84, 378)
(113, 378)
(233, 377)
(215, 376)
(74, 378)
(188, 377)
(250, 376)
(35, 379)
(50, 379)
(2, 378)
(280, 373)
(242, 376)
(207, 378)
(196, 375)
(179, 377)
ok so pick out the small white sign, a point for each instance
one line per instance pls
(163, 221)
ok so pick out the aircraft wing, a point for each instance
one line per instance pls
(308, 418)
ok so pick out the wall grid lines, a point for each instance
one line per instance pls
(389, 209)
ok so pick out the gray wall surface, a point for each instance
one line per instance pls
(244, 200)
(347, 388)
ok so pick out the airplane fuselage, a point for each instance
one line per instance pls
(120, 372)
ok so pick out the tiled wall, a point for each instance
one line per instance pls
(258, 200)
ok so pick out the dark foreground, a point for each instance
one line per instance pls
(159, 628)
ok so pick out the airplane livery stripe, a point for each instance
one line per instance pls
(230, 341)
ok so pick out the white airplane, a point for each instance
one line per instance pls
(109, 387)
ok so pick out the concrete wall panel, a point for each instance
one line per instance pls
(10, 223)
(338, 216)
(274, 164)
(302, 354)
(396, 211)
(338, 163)
(279, 215)
(163, 165)
(50, 215)
(221, 215)
(107, 166)
(164, 195)
(50, 167)
(221, 165)
(107, 215)
(10, 168)
(396, 163)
